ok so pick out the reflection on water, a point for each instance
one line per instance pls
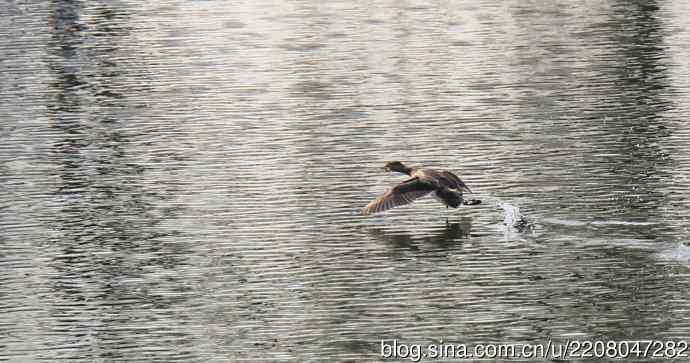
(181, 180)
(114, 272)
(447, 237)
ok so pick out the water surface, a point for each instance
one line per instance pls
(181, 180)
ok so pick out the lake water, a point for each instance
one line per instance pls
(181, 179)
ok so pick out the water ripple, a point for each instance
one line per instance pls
(181, 180)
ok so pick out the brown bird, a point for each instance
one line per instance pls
(446, 187)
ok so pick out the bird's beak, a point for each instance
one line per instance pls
(385, 168)
(467, 189)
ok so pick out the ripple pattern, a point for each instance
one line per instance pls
(181, 180)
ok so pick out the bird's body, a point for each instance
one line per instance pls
(444, 185)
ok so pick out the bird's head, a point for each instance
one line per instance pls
(396, 166)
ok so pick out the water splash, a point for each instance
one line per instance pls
(512, 216)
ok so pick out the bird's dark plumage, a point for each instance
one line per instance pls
(446, 187)
(449, 197)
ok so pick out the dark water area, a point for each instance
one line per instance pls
(181, 180)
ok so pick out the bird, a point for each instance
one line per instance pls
(445, 186)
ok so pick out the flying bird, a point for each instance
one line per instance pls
(445, 186)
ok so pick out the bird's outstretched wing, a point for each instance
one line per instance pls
(401, 194)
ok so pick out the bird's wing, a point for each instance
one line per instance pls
(456, 183)
(403, 193)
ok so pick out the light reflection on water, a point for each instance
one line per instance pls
(181, 180)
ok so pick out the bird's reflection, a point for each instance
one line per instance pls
(449, 235)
